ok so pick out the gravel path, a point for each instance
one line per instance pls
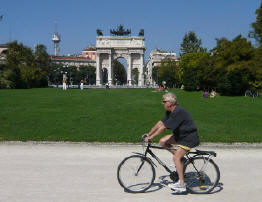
(76, 172)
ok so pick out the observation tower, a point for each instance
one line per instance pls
(56, 39)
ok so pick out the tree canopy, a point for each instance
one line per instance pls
(120, 75)
(24, 68)
(191, 44)
(168, 71)
(256, 33)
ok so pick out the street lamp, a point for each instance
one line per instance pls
(55, 80)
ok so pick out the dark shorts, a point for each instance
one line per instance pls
(189, 140)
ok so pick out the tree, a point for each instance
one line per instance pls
(229, 52)
(42, 59)
(197, 71)
(155, 74)
(18, 54)
(191, 80)
(191, 44)
(232, 65)
(5, 79)
(169, 71)
(235, 80)
(119, 73)
(91, 73)
(55, 76)
(135, 73)
(23, 64)
(256, 33)
(120, 31)
(86, 73)
(104, 76)
(32, 77)
(255, 69)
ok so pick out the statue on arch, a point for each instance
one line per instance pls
(120, 31)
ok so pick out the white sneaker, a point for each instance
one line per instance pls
(177, 187)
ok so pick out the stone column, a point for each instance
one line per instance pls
(109, 75)
(141, 71)
(98, 75)
(129, 81)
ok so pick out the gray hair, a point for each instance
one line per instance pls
(170, 97)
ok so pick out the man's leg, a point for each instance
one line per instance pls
(178, 155)
(167, 141)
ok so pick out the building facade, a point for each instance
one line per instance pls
(73, 61)
(89, 53)
(3, 50)
(155, 58)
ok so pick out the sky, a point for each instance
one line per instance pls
(165, 22)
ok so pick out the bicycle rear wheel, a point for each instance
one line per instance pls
(201, 175)
(248, 93)
(136, 174)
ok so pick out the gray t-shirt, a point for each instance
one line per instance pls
(183, 127)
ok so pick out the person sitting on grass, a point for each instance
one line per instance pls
(205, 94)
(213, 94)
(163, 87)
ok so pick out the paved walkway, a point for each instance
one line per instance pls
(87, 172)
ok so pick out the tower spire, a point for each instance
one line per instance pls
(56, 39)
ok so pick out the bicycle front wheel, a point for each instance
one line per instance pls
(201, 175)
(136, 174)
(248, 93)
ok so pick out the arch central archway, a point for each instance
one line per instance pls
(119, 68)
(132, 49)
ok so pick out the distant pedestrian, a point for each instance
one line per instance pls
(82, 84)
(107, 86)
(64, 84)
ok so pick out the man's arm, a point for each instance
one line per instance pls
(156, 130)
(158, 124)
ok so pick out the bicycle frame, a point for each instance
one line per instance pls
(149, 151)
(207, 158)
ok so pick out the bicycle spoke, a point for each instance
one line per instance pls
(136, 174)
(201, 175)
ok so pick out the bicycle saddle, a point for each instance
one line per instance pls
(206, 152)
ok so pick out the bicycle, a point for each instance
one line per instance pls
(251, 93)
(136, 173)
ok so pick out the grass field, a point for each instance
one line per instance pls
(120, 115)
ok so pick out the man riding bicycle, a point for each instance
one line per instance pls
(184, 135)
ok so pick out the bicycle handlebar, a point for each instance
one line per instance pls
(143, 139)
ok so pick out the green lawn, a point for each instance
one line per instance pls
(120, 115)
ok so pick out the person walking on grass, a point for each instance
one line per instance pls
(82, 84)
(185, 135)
(64, 84)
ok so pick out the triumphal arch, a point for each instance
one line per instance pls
(109, 48)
